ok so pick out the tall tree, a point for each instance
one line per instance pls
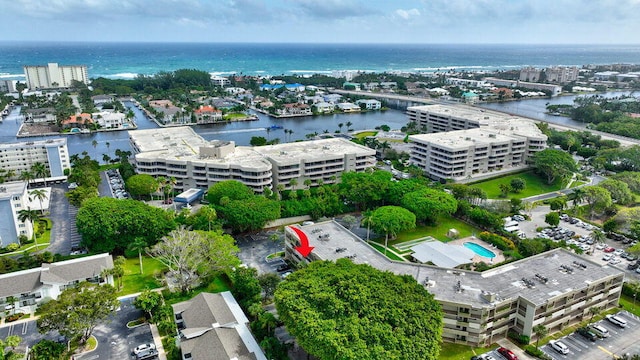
(40, 171)
(26, 176)
(554, 164)
(141, 185)
(429, 204)
(78, 310)
(363, 317)
(138, 245)
(32, 216)
(390, 220)
(189, 254)
(541, 331)
(597, 199)
(40, 195)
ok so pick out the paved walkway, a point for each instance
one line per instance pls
(516, 350)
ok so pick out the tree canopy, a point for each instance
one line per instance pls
(190, 255)
(232, 189)
(78, 310)
(429, 204)
(249, 214)
(141, 185)
(364, 190)
(346, 311)
(391, 220)
(108, 224)
(554, 164)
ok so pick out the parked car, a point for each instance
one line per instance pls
(143, 347)
(483, 357)
(600, 330)
(609, 249)
(508, 354)
(617, 320)
(559, 347)
(587, 334)
(283, 267)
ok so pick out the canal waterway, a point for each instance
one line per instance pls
(240, 132)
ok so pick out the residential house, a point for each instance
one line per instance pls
(295, 87)
(220, 81)
(332, 98)
(295, 109)
(470, 97)
(40, 115)
(324, 107)
(503, 92)
(27, 289)
(388, 84)
(109, 119)
(213, 326)
(207, 115)
(370, 104)
(348, 107)
(99, 100)
(77, 121)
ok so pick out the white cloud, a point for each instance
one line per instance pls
(406, 14)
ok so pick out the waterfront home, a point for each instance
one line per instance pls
(41, 115)
(332, 98)
(324, 107)
(295, 109)
(470, 97)
(109, 119)
(100, 100)
(370, 104)
(77, 121)
(207, 115)
(348, 107)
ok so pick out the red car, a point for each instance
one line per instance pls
(508, 354)
(609, 249)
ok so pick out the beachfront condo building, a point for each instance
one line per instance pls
(53, 75)
(465, 143)
(556, 289)
(194, 162)
(13, 199)
(16, 158)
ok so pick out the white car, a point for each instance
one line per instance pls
(607, 257)
(601, 246)
(559, 347)
(143, 347)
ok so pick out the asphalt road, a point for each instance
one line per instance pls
(62, 229)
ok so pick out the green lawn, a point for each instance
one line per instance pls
(364, 134)
(219, 284)
(380, 248)
(134, 282)
(535, 185)
(234, 116)
(628, 304)
(439, 231)
(461, 352)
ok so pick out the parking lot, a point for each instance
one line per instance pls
(621, 341)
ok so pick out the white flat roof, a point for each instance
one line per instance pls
(463, 138)
(441, 254)
(315, 149)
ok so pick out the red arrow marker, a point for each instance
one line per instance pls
(304, 249)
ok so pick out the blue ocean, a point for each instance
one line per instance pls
(126, 60)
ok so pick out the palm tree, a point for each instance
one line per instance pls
(138, 245)
(577, 196)
(106, 158)
(541, 331)
(349, 123)
(384, 146)
(9, 174)
(32, 216)
(40, 194)
(40, 171)
(26, 176)
(340, 125)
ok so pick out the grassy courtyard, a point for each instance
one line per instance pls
(535, 185)
(134, 282)
(439, 231)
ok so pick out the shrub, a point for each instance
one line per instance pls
(12, 247)
(521, 339)
(534, 351)
(500, 242)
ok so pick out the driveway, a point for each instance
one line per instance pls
(63, 228)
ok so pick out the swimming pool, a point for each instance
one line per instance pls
(480, 250)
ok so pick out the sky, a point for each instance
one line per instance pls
(324, 21)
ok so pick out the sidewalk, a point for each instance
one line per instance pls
(516, 350)
(158, 342)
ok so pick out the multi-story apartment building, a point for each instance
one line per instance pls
(53, 75)
(13, 198)
(553, 89)
(530, 74)
(561, 74)
(19, 157)
(197, 163)
(465, 142)
(555, 289)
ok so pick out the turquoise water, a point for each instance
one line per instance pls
(480, 250)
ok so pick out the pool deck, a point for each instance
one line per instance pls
(497, 259)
